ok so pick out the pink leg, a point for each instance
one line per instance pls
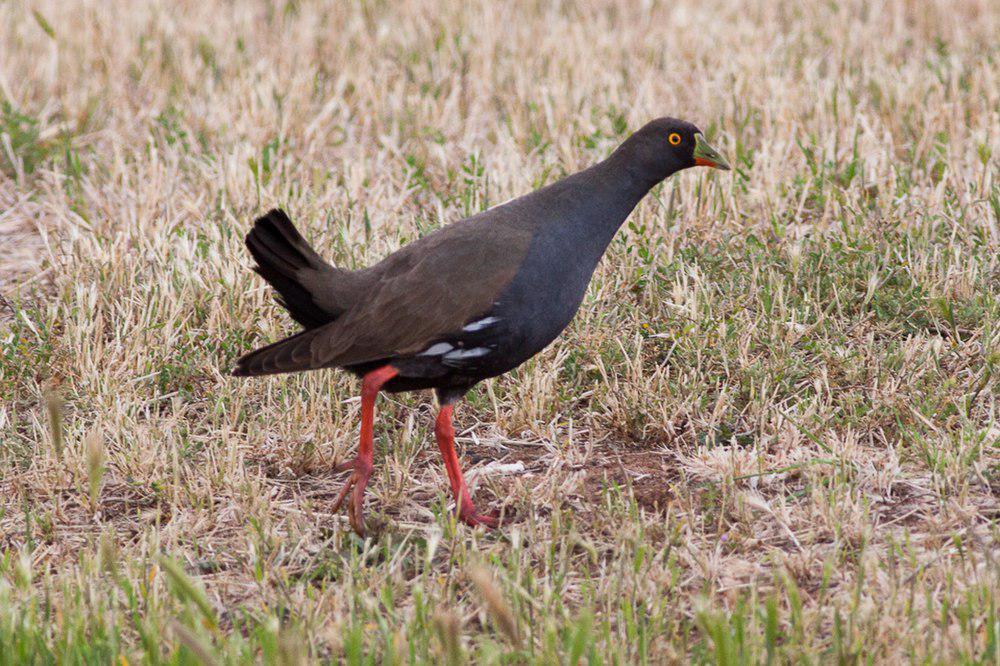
(363, 463)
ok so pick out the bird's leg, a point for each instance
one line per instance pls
(444, 432)
(361, 466)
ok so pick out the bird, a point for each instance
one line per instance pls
(469, 301)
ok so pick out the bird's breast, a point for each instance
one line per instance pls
(540, 302)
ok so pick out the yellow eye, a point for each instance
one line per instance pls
(674, 139)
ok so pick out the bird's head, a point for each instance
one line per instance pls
(667, 145)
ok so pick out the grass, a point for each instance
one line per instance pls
(770, 435)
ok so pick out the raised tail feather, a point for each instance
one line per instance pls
(314, 292)
(289, 264)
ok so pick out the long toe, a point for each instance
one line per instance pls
(356, 511)
(357, 520)
(473, 518)
(344, 466)
(343, 492)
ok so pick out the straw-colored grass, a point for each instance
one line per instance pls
(771, 434)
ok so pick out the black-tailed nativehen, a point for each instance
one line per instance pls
(469, 301)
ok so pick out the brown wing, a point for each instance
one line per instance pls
(426, 290)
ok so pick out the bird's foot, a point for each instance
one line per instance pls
(361, 471)
(468, 515)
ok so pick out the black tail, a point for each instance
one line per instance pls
(286, 261)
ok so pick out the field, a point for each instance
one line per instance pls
(771, 435)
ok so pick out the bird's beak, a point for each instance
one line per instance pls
(705, 155)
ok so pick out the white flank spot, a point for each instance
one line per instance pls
(481, 324)
(436, 350)
(466, 353)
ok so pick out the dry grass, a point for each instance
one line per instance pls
(770, 434)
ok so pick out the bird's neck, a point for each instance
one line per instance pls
(603, 197)
(622, 181)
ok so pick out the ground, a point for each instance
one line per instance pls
(770, 435)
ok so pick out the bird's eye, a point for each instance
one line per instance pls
(674, 139)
